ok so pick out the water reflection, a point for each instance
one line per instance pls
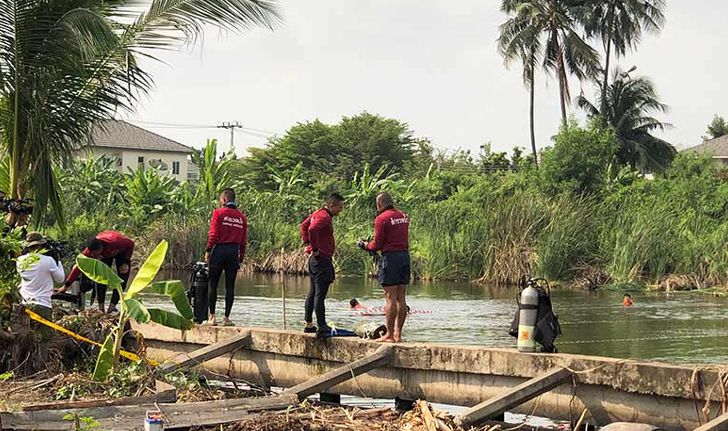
(679, 328)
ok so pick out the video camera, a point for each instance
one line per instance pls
(56, 249)
(362, 245)
(16, 206)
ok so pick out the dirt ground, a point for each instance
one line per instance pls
(313, 417)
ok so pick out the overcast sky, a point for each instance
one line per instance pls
(432, 64)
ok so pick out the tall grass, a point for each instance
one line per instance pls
(514, 225)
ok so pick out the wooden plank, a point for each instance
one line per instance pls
(165, 393)
(513, 398)
(381, 357)
(179, 416)
(718, 424)
(206, 353)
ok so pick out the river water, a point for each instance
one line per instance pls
(680, 328)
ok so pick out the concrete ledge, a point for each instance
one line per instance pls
(612, 389)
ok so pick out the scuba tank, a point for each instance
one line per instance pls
(535, 320)
(197, 292)
(527, 311)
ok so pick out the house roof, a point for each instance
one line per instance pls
(717, 147)
(120, 134)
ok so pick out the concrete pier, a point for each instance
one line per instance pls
(612, 390)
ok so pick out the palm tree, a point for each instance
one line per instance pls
(519, 39)
(66, 64)
(565, 51)
(619, 24)
(628, 106)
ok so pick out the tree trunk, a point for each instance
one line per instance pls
(605, 79)
(562, 87)
(561, 74)
(531, 118)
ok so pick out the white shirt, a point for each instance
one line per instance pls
(37, 278)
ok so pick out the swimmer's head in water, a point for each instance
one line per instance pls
(353, 303)
(627, 295)
(408, 308)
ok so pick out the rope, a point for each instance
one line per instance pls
(361, 391)
(128, 355)
(525, 419)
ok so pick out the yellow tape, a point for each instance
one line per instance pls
(128, 355)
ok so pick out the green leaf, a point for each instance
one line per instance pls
(169, 319)
(105, 360)
(148, 271)
(137, 310)
(98, 271)
(175, 290)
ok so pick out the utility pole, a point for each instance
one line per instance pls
(232, 126)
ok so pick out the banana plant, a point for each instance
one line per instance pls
(132, 306)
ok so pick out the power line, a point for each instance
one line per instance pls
(237, 125)
(231, 126)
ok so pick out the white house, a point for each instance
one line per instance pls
(717, 148)
(131, 147)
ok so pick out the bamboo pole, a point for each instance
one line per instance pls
(283, 297)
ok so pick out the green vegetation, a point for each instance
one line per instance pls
(67, 64)
(131, 305)
(627, 109)
(486, 217)
(589, 207)
(717, 128)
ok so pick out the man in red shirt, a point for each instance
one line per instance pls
(108, 246)
(391, 237)
(225, 251)
(317, 233)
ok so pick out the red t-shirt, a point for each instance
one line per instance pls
(391, 231)
(317, 232)
(228, 226)
(115, 244)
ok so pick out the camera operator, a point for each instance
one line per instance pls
(38, 275)
(109, 247)
(18, 214)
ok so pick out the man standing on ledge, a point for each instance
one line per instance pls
(225, 251)
(317, 233)
(391, 237)
(109, 247)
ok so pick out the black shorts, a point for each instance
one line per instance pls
(394, 268)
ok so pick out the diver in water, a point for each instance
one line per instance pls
(627, 300)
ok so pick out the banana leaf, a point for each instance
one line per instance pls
(175, 290)
(137, 311)
(98, 271)
(148, 271)
(105, 360)
(169, 319)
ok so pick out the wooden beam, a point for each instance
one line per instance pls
(178, 416)
(206, 353)
(381, 357)
(718, 424)
(513, 398)
(165, 393)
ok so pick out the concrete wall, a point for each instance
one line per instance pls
(129, 160)
(612, 390)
